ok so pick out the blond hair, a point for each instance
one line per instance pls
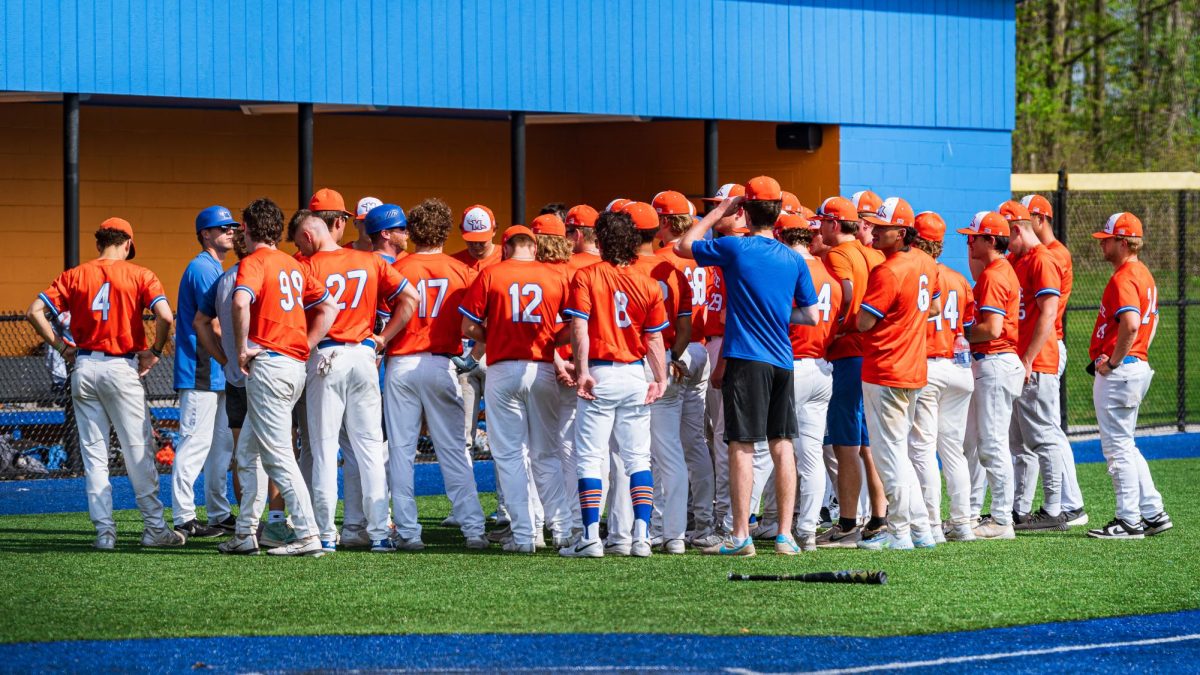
(553, 249)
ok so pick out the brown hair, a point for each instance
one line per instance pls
(429, 223)
(796, 235)
(933, 248)
(678, 222)
(263, 220)
(618, 238)
(294, 224)
(848, 226)
(107, 236)
(553, 249)
(762, 213)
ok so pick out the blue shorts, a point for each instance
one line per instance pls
(846, 423)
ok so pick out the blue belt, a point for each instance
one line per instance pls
(978, 356)
(1129, 359)
(607, 362)
(334, 343)
(89, 352)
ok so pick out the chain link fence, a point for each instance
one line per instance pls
(1082, 204)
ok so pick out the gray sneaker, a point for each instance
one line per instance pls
(512, 546)
(705, 540)
(477, 543)
(1040, 520)
(806, 540)
(105, 541)
(412, 544)
(766, 529)
(990, 529)
(1076, 517)
(499, 534)
(239, 545)
(836, 537)
(355, 537)
(162, 538)
(275, 535)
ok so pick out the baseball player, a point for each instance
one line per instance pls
(514, 308)
(902, 292)
(343, 382)
(273, 340)
(106, 298)
(205, 441)
(1120, 342)
(999, 374)
(939, 421)
(364, 242)
(617, 313)
(867, 203)
(1072, 498)
(388, 236)
(1035, 436)
(421, 379)
(847, 260)
(669, 523)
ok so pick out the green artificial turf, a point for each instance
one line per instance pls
(55, 587)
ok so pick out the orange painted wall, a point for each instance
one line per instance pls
(157, 167)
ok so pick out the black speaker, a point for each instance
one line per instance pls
(798, 136)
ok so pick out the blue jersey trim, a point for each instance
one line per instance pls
(871, 310)
(317, 302)
(993, 310)
(469, 315)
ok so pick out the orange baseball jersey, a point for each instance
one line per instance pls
(280, 291)
(696, 283)
(105, 298)
(812, 342)
(478, 265)
(714, 310)
(900, 291)
(619, 305)
(1039, 275)
(873, 256)
(520, 302)
(672, 284)
(997, 291)
(1131, 289)
(361, 283)
(441, 283)
(846, 262)
(1067, 266)
(579, 261)
(958, 310)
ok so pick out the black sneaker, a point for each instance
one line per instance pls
(825, 521)
(228, 526)
(1157, 525)
(1018, 518)
(1118, 529)
(194, 529)
(1076, 517)
(1040, 520)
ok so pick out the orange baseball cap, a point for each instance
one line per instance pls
(547, 223)
(930, 226)
(791, 203)
(616, 204)
(866, 201)
(1123, 224)
(326, 199)
(763, 188)
(520, 229)
(791, 221)
(813, 223)
(120, 225)
(582, 216)
(671, 203)
(893, 212)
(1038, 204)
(478, 224)
(726, 191)
(987, 222)
(837, 208)
(644, 216)
(1014, 211)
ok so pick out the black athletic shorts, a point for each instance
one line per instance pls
(235, 405)
(759, 401)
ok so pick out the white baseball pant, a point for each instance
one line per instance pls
(1036, 440)
(1072, 497)
(668, 465)
(939, 425)
(701, 476)
(889, 412)
(715, 411)
(346, 396)
(205, 442)
(568, 399)
(265, 444)
(813, 389)
(106, 390)
(998, 381)
(615, 496)
(427, 384)
(1118, 396)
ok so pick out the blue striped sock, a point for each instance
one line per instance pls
(590, 490)
(641, 490)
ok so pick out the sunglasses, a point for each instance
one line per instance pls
(228, 229)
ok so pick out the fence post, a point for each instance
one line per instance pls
(1181, 282)
(1060, 233)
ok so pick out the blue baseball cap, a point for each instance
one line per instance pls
(214, 216)
(385, 217)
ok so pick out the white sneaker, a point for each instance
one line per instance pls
(512, 546)
(925, 539)
(621, 550)
(105, 541)
(239, 545)
(583, 549)
(355, 538)
(993, 530)
(674, 546)
(640, 548)
(310, 546)
(539, 539)
(806, 540)
(939, 535)
(962, 532)
(562, 541)
(477, 543)
(158, 538)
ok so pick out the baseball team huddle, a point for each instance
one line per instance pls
(765, 372)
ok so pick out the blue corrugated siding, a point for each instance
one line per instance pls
(946, 63)
(955, 172)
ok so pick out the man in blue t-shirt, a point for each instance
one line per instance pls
(762, 279)
(205, 441)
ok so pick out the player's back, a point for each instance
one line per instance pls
(619, 304)
(477, 265)
(958, 309)
(845, 262)
(436, 326)
(354, 280)
(671, 282)
(894, 350)
(696, 285)
(520, 301)
(812, 342)
(578, 261)
(106, 298)
(281, 290)
(1066, 264)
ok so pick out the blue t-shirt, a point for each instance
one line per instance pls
(194, 371)
(762, 279)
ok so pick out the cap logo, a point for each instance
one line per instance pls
(1112, 223)
(476, 224)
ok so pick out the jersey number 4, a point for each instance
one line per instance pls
(100, 302)
(949, 312)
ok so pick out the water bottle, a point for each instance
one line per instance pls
(962, 352)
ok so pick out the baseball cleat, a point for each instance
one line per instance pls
(328, 546)
(674, 546)
(228, 524)
(620, 550)
(1076, 517)
(194, 529)
(105, 541)
(786, 545)
(961, 532)
(1158, 524)
(925, 539)
(477, 543)
(240, 544)
(162, 537)
(1118, 529)
(886, 540)
(383, 546)
(309, 546)
(766, 529)
(990, 529)
(1040, 520)
(512, 546)
(583, 549)
(732, 547)
(356, 538)
(836, 537)
(640, 548)
(277, 534)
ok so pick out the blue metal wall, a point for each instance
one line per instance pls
(955, 172)
(940, 63)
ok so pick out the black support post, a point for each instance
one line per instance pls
(517, 170)
(711, 155)
(1181, 281)
(305, 145)
(70, 180)
(1060, 233)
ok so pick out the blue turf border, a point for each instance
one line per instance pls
(697, 653)
(66, 495)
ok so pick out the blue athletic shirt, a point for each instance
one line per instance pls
(762, 277)
(191, 371)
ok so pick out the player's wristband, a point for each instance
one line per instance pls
(156, 352)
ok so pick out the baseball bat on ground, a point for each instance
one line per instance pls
(841, 577)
